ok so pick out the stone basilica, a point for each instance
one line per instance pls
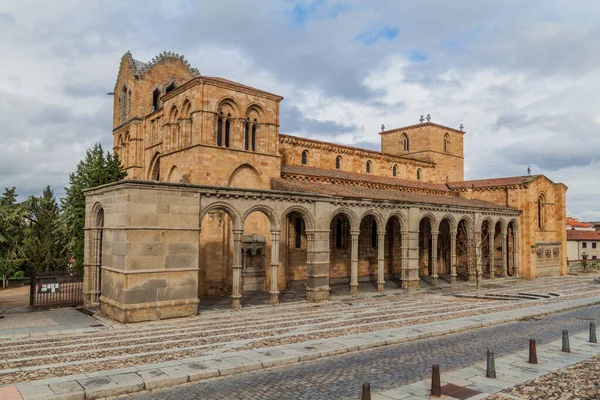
(217, 201)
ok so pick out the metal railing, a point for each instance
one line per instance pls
(56, 289)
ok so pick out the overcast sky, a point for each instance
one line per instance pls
(522, 76)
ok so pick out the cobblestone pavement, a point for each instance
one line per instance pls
(579, 381)
(385, 368)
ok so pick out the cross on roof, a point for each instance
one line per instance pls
(461, 127)
(428, 118)
(382, 127)
(421, 120)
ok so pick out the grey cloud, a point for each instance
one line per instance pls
(293, 121)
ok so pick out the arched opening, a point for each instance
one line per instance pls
(155, 168)
(94, 273)
(367, 249)
(155, 99)
(338, 162)
(462, 249)
(304, 157)
(174, 175)
(443, 250)
(395, 170)
(487, 237)
(419, 174)
(446, 143)
(498, 246)
(405, 142)
(368, 167)
(340, 250)
(510, 248)
(245, 176)
(186, 121)
(296, 248)
(393, 250)
(425, 252)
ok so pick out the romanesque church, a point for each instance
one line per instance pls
(219, 202)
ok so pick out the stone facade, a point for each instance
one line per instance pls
(217, 201)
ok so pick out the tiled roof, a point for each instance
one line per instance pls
(481, 183)
(240, 85)
(583, 235)
(359, 192)
(356, 177)
(574, 222)
(409, 127)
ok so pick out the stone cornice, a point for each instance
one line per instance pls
(417, 126)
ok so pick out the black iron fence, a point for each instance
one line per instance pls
(56, 289)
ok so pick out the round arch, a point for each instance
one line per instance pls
(401, 219)
(451, 220)
(304, 213)
(241, 168)
(255, 107)
(375, 214)
(490, 222)
(351, 215)
(228, 100)
(186, 108)
(222, 206)
(503, 224)
(268, 211)
(154, 170)
(97, 215)
(431, 218)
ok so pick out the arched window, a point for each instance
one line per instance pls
(254, 135)
(405, 142)
(170, 87)
(298, 231)
(419, 174)
(304, 157)
(368, 167)
(227, 128)
(338, 162)
(541, 203)
(155, 99)
(247, 135)
(446, 143)
(395, 170)
(219, 132)
(124, 101)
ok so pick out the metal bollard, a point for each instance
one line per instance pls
(532, 352)
(490, 371)
(366, 391)
(436, 384)
(565, 342)
(593, 333)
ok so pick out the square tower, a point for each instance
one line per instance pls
(429, 142)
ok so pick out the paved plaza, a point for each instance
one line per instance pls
(301, 337)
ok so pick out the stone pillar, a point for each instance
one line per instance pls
(504, 257)
(380, 261)
(453, 256)
(411, 267)
(491, 254)
(434, 257)
(354, 263)
(274, 267)
(92, 267)
(516, 252)
(236, 294)
(317, 268)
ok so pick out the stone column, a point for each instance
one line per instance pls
(411, 238)
(404, 259)
(92, 267)
(504, 257)
(453, 256)
(236, 294)
(516, 252)
(317, 268)
(492, 254)
(380, 261)
(274, 267)
(354, 263)
(434, 258)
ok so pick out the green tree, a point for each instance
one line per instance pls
(94, 170)
(45, 242)
(12, 225)
(9, 197)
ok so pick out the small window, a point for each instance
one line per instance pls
(155, 99)
(584, 245)
(541, 212)
(374, 235)
(254, 136)
(446, 143)
(593, 257)
(298, 231)
(304, 157)
(593, 245)
(405, 142)
(170, 88)
(219, 132)
(227, 128)
(247, 136)
(395, 171)
(368, 167)
(338, 162)
(419, 174)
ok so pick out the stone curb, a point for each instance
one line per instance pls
(171, 373)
